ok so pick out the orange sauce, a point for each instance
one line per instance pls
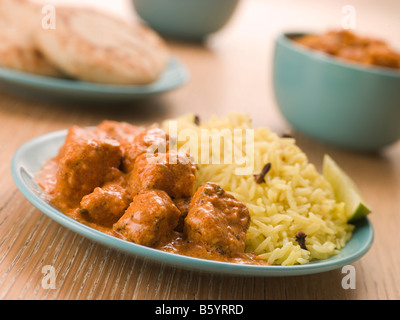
(177, 243)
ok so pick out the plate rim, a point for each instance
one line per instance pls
(175, 70)
(162, 257)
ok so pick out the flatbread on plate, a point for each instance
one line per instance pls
(93, 46)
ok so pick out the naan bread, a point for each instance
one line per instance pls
(18, 19)
(96, 47)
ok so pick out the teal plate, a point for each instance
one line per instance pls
(30, 157)
(34, 86)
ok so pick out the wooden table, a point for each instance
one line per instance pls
(229, 72)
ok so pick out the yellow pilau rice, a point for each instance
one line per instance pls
(294, 196)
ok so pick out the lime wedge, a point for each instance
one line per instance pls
(345, 190)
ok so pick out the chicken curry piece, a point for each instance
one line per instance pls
(346, 45)
(130, 183)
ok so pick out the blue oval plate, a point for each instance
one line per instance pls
(30, 157)
(35, 86)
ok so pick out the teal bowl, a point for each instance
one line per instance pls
(342, 103)
(186, 19)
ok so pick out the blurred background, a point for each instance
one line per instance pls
(263, 20)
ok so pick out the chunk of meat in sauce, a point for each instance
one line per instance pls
(331, 42)
(85, 162)
(217, 220)
(151, 140)
(152, 204)
(172, 172)
(123, 132)
(105, 205)
(150, 219)
(351, 47)
(383, 56)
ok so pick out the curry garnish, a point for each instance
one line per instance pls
(83, 211)
(259, 178)
(196, 120)
(301, 239)
(287, 134)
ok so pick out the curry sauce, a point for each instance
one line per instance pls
(346, 45)
(130, 183)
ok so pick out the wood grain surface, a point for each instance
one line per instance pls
(230, 71)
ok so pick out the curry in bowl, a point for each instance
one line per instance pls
(347, 45)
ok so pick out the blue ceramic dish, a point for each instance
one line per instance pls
(30, 157)
(338, 102)
(187, 19)
(34, 86)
